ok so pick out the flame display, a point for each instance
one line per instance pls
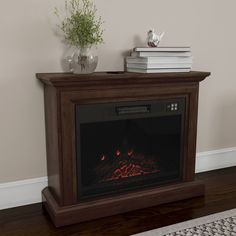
(125, 164)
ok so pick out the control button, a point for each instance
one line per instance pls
(172, 107)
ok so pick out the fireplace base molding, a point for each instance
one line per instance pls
(66, 215)
(135, 99)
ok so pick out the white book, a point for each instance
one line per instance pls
(162, 49)
(158, 65)
(161, 54)
(157, 70)
(159, 59)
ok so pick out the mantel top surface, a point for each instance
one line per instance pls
(67, 79)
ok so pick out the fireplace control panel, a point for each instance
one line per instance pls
(129, 110)
(172, 106)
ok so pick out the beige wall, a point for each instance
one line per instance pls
(28, 45)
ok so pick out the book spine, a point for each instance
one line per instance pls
(159, 66)
(162, 49)
(148, 60)
(158, 70)
(161, 54)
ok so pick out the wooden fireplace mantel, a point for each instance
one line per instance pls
(63, 91)
(118, 77)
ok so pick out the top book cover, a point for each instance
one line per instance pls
(162, 49)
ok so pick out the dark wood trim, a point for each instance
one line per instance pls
(117, 204)
(53, 144)
(118, 77)
(64, 91)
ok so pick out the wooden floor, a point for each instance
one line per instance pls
(220, 195)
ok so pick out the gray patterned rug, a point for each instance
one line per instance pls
(223, 223)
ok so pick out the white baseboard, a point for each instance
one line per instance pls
(21, 192)
(216, 159)
(26, 192)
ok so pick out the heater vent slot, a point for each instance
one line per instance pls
(133, 110)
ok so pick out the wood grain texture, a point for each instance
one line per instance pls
(69, 79)
(220, 196)
(53, 137)
(64, 91)
(99, 208)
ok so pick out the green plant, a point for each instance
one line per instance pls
(81, 27)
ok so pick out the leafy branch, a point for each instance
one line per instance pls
(80, 26)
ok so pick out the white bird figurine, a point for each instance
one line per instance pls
(154, 39)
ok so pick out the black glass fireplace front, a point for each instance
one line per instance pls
(127, 146)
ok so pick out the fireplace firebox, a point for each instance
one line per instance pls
(118, 142)
(126, 146)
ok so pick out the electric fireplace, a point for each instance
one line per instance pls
(119, 142)
(125, 146)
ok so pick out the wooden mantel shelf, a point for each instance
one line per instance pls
(69, 79)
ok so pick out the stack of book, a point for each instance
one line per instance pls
(159, 60)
